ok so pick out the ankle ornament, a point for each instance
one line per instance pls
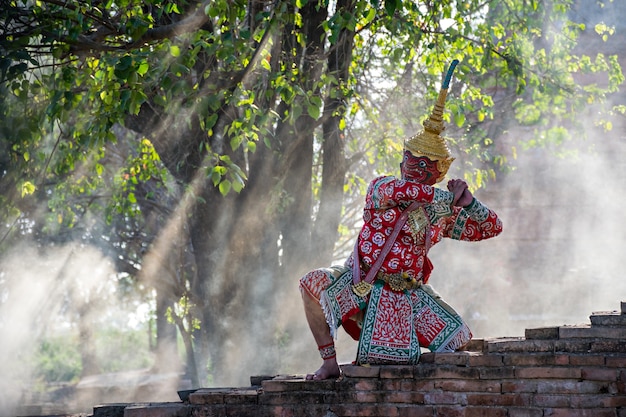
(327, 351)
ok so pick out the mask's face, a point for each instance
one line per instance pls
(419, 168)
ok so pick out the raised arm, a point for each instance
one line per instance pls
(386, 192)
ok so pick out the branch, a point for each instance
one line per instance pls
(95, 18)
(189, 24)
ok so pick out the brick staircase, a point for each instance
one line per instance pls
(567, 371)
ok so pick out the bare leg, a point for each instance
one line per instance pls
(321, 332)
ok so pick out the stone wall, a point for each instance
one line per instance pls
(565, 371)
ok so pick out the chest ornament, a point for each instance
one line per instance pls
(417, 221)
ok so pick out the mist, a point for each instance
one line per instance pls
(558, 259)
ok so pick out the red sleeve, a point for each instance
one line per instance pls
(389, 191)
(475, 222)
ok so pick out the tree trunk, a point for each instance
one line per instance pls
(325, 230)
(87, 345)
(297, 158)
(167, 359)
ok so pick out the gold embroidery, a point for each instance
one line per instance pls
(400, 281)
(417, 221)
(362, 288)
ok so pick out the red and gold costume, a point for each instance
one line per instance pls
(381, 295)
(397, 312)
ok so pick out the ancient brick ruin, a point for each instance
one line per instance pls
(566, 371)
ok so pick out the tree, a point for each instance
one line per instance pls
(247, 118)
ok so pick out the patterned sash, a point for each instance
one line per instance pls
(396, 324)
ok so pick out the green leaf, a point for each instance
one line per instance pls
(143, 68)
(313, 110)
(174, 50)
(28, 188)
(225, 187)
(391, 6)
(459, 118)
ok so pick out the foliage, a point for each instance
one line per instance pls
(123, 350)
(57, 358)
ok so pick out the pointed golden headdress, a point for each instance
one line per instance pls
(429, 142)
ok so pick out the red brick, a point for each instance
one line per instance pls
(418, 385)
(587, 360)
(457, 372)
(416, 411)
(600, 374)
(464, 385)
(394, 371)
(497, 373)
(535, 359)
(354, 371)
(498, 399)
(519, 386)
(485, 412)
(569, 412)
(241, 397)
(476, 345)
(525, 412)
(454, 358)
(616, 361)
(165, 409)
(277, 385)
(450, 411)
(551, 401)
(485, 360)
(369, 396)
(444, 398)
(288, 398)
(209, 411)
(562, 359)
(572, 345)
(366, 385)
(548, 372)
(615, 401)
(360, 410)
(406, 385)
(613, 346)
(594, 332)
(571, 387)
(384, 410)
(206, 398)
(594, 401)
(394, 385)
(521, 345)
(543, 333)
(406, 397)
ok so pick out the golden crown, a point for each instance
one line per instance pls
(429, 141)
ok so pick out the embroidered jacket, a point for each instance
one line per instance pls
(388, 196)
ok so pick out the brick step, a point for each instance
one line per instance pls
(608, 318)
(577, 332)
(228, 395)
(561, 371)
(158, 410)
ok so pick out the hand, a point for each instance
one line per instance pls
(462, 194)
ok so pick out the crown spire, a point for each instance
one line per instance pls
(429, 141)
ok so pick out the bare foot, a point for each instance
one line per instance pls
(328, 370)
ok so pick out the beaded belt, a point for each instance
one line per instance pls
(400, 281)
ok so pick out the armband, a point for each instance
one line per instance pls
(441, 205)
(477, 211)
